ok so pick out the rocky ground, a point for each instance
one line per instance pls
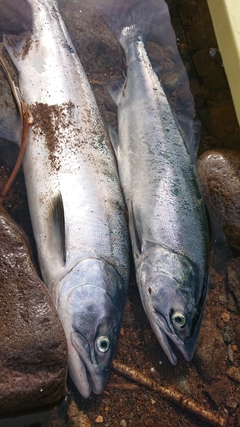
(212, 379)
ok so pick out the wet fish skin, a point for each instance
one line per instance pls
(75, 201)
(167, 218)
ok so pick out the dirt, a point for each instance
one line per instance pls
(46, 120)
(212, 378)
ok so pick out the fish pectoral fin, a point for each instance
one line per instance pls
(113, 135)
(10, 127)
(59, 223)
(115, 90)
(137, 241)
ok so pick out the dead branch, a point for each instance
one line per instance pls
(170, 394)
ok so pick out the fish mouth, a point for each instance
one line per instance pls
(87, 376)
(87, 303)
(78, 373)
(91, 321)
(167, 339)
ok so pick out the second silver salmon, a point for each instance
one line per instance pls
(167, 218)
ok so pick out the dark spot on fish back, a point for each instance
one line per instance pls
(68, 47)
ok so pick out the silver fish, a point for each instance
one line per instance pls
(74, 196)
(167, 218)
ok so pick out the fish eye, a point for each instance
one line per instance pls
(178, 319)
(103, 344)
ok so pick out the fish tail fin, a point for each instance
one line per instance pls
(128, 20)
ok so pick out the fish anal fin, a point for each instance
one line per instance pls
(59, 223)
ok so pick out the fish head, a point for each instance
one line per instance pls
(90, 306)
(173, 292)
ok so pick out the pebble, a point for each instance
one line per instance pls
(231, 403)
(234, 373)
(223, 299)
(230, 353)
(228, 334)
(99, 419)
(225, 317)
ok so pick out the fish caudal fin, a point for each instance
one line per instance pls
(128, 20)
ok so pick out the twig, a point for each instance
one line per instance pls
(170, 394)
(126, 386)
(26, 119)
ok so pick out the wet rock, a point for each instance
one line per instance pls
(33, 353)
(194, 17)
(222, 113)
(208, 69)
(219, 173)
(210, 351)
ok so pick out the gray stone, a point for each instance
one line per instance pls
(33, 351)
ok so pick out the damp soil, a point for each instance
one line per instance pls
(212, 378)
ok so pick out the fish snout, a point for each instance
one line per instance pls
(93, 335)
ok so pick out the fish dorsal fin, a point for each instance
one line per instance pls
(59, 223)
